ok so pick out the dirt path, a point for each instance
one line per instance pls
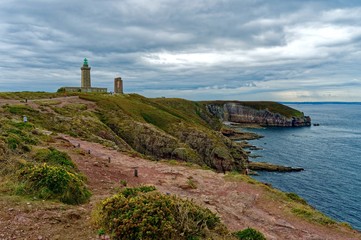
(239, 204)
(60, 102)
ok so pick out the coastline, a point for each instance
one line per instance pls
(242, 139)
(240, 200)
(318, 150)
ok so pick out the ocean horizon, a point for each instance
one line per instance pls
(330, 154)
(293, 103)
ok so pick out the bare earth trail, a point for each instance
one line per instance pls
(239, 204)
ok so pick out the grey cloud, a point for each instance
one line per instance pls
(196, 49)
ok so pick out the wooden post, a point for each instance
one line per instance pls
(108, 159)
(135, 172)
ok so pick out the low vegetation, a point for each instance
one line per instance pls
(312, 215)
(52, 182)
(144, 213)
(30, 170)
(249, 234)
(54, 157)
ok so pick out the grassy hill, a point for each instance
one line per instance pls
(170, 129)
(159, 128)
(35, 163)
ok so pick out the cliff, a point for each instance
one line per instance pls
(267, 114)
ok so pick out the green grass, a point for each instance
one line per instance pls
(188, 110)
(296, 198)
(312, 215)
(249, 234)
(154, 127)
(19, 109)
(237, 177)
(47, 102)
(54, 157)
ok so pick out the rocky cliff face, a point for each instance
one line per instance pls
(238, 113)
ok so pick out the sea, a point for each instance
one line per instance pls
(330, 154)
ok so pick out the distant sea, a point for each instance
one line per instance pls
(329, 153)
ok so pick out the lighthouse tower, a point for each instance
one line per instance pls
(85, 75)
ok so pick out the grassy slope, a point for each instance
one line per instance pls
(158, 128)
(169, 128)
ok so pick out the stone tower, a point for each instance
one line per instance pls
(85, 75)
(118, 85)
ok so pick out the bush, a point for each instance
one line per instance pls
(142, 213)
(61, 90)
(13, 143)
(132, 192)
(249, 234)
(55, 157)
(53, 182)
(16, 144)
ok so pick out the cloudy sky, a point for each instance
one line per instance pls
(282, 50)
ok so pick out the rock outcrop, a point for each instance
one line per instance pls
(264, 166)
(239, 112)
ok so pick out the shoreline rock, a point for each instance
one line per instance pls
(236, 135)
(264, 166)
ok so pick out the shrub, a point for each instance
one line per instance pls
(55, 157)
(132, 192)
(249, 234)
(61, 90)
(13, 143)
(53, 182)
(142, 213)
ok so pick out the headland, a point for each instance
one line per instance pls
(175, 145)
